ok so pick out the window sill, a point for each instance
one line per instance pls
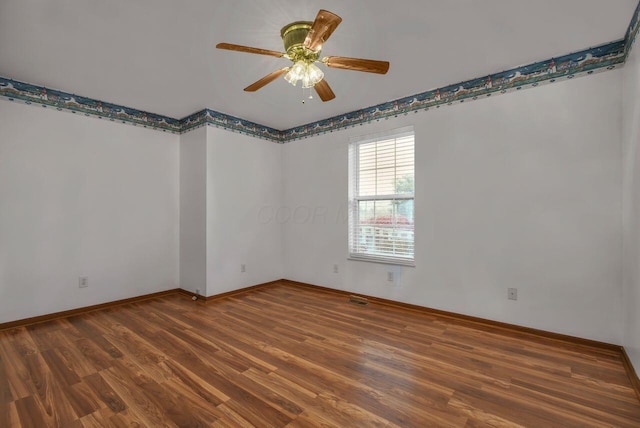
(381, 260)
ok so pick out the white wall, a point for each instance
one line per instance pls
(83, 197)
(193, 211)
(520, 190)
(244, 183)
(631, 206)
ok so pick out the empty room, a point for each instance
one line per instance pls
(319, 214)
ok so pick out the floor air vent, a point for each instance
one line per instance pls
(358, 300)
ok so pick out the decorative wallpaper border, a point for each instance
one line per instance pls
(45, 97)
(586, 62)
(229, 123)
(27, 93)
(606, 57)
(632, 30)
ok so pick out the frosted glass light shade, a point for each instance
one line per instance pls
(312, 76)
(308, 73)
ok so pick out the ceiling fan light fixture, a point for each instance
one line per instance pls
(309, 74)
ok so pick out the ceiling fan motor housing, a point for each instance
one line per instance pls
(293, 36)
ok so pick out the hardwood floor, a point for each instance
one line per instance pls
(288, 356)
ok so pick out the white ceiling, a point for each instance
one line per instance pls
(160, 56)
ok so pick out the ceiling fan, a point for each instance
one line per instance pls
(303, 41)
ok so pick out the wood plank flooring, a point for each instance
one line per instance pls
(288, 356)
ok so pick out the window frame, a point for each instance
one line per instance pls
(355, 199)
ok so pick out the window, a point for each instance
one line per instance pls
(381, 194)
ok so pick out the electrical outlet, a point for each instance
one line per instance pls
(335, 268)
(83, 282)
(243, 268)
(512, 293)
(390, 276)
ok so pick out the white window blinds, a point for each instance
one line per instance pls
(381, 221)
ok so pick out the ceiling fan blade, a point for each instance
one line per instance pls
(324, 90)
(248, 49)
(357, 64)
(266, 80)
(324, 25)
